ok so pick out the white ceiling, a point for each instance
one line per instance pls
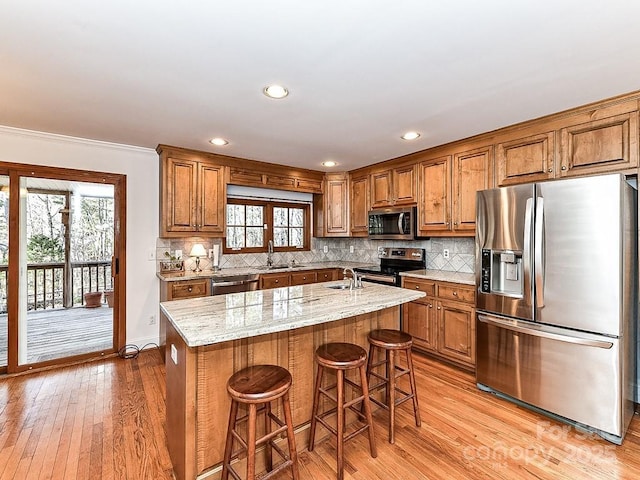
(360, 72)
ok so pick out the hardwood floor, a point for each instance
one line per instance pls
(105, 420)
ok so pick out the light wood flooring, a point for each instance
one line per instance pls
(105, 420)
(63, 332)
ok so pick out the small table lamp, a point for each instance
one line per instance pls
(198, 251)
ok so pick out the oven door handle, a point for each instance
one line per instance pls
(378, 278)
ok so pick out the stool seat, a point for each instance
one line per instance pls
(390, 339)
(341, 356)
(259, 383)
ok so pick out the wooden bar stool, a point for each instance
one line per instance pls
(254, 386)
(392, 341)
(342, 357)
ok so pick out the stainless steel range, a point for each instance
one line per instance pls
(393, 260)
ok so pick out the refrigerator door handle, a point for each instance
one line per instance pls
(526, 253)
(538, 266)
(538, 331)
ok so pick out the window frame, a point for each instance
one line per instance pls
(268, 220)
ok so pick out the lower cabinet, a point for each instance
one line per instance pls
(443, 322)
(304, 277)
(274, 280)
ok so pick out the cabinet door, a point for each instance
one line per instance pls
(303, 278)
(471, 172)
(189, 289)
(287, 183)
(238, 176)
(600, 146)
(524, 160)
(337, 206)
(381, 189)
(418, 320)
(359, 206)
(327, 275)
(274, 280)
(179, 196)
(211, 196)
(434, 205)
(308, 185)
(457, 332)
(404, 185)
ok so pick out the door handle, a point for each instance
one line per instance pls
(538, 267)
(526, 253)
(537, 331)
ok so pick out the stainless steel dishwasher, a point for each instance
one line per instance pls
(222, 285)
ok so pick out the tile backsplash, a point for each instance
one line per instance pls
(461, 252)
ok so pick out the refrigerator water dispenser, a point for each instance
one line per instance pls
(502, 272)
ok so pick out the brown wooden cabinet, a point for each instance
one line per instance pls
(527, 159)
(192, 198)
(274, 280)
(359, 205)
(443, 322)
(396, 186)
(599, 146)
(327, 274)
(250, 176)
(304, 277)
(331, 210)
(449, 184)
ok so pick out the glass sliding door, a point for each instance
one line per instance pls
(4, 270)
(65, 299)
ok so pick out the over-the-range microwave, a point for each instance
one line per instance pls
(397, 223)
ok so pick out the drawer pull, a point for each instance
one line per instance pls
(455, 294)
(190, 289)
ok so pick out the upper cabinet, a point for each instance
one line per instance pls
(192, 196)
(359, 211)
(396, 186)
(528, 159)
(447, 205)
(295, 181)
(600, 146)
(331, 210)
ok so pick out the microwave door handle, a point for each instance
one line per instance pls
(401, 223)
(538, 266)
(526, 254)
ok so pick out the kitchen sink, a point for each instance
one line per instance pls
(340, 286)
(274, 267)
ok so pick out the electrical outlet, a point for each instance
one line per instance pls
(178, 254)
(325, 249)
(152, 319)
(350, 248)
(445, 253)
(174, 354)
(151, 255)
(211, 253)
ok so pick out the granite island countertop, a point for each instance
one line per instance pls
(442, 276)
(215, 319)
(227, 272)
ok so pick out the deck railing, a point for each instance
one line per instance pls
(46, 285)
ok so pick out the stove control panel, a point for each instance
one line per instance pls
(416, 254)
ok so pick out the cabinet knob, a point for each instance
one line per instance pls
(564, 167)
(439, 308)
(190, 289)
(455, 224)
(417, 287)
(277, 281)
(550, 170)
(430, 306)
(304, 278)
(455, 294)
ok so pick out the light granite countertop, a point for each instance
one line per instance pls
(227, 272)
(208, 320)
(442, 276)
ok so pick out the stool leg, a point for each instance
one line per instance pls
(291, 439)
(228, 448)
(251, 442)
(414, 390)
(340, 425)
(372, 352)
(267, 429)
(314, 409)
(367, 411)
(391, 355)
(387, 392)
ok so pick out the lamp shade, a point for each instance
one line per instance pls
(198, 251)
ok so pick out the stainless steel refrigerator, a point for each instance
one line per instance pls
(556, 273)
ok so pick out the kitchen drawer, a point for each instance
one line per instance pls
(274, 280)
(190, 289)
(460, 293)
(303, 278)
(426, 286)
(327, 275)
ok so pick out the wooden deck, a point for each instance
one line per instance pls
(106, 420)
(58, 333)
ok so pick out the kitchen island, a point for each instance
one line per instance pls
(210, 338)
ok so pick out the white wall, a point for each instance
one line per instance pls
(141, 166)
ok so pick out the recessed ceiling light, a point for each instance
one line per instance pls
(410, 136)
(275, 91)
(220, 142)
(329, 163)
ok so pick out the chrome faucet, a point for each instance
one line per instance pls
(269, 253)
(355, 281)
